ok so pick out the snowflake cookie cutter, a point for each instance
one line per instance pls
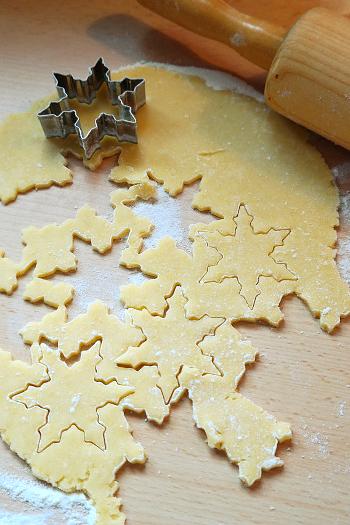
(58, 119)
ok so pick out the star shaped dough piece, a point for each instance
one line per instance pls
(246, 255)
(72, 396)
(171, 343)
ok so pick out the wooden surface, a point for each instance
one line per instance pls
(255, 39)
(302, 375)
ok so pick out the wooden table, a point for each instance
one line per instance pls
(302, 375)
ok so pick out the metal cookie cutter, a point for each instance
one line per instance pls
(127, 96)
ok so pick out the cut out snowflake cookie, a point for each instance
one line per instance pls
(245, 255)
(83, 395)
(171, 266)
(72, 463)
(116, 337)
(171, 343)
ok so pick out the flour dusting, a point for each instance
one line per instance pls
(72, 509)
(341, 408)
(341, 174)
(317, 439)
(168, 219)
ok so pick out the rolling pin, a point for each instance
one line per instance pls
(308, 67)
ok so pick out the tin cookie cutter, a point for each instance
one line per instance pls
(127, 96)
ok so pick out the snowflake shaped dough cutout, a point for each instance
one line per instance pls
(171, 342)
(245, 254)
(72, 396)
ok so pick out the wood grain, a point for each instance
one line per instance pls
(309, 80)
(256, 40)
(302, 375)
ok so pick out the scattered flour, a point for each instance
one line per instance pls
(344, 209)
(341, 408)
(165, 214)
(342, 173)
(74, 403)
(343, 258)
(168, 219)
(317, 439)
(44, 502)
(238, 39)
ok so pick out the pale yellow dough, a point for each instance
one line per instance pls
(51, 293)
(50, 249)
(171, 342)
(84, 395)
(116, 337)
(171, 355)
(273, 234)
(28, 160)
(242, 152)
(248, 434)
(73, 463)
(247, 155)
(8, 274)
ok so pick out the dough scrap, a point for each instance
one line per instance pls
(232, 423)
(171, 343)
(9, 271)
(73, 463)
(50, 249)
(27, 159)
(244, 154)
(72, 455)
(51, 293)
(164, 341)
(83, 395)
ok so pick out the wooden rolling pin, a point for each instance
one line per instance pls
(309, 66)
